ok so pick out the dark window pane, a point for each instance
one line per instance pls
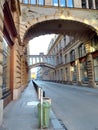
(83, 3)
(90, 4)
(96, 3)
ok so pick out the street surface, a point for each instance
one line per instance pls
(76, 106)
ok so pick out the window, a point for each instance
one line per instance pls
(6, 67)
(96, 4)
(81, 50)
(83, 71)
(33, 2)
(90, 2)
(64, 40)
(67, 74)
(96, 68)
(41, 2)
(74, 73)
(55, 2)
(94, 43)
(83, 3)
(72, 55)
(26, 1)
(63, 3)
(70, 3)
(65, 58)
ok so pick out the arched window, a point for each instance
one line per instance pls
(96, 3)
(83, 3)
(70, 3)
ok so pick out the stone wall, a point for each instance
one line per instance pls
(1, 60)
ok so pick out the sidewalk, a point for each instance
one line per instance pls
(23, 113)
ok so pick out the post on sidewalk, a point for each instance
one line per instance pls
(41, 100)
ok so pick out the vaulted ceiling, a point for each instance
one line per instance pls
(58, 27)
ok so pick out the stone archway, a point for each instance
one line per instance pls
(87, 17)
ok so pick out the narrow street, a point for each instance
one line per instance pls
(76, 106)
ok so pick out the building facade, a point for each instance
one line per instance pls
(76, 60)
(75, 50)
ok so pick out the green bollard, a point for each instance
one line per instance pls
(45, 116)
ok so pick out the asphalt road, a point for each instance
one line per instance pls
(76, 106)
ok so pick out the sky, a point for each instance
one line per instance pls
(40, 44)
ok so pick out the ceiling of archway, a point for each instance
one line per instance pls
(72, 28)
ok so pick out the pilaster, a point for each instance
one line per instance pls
(1, 60)
(90, 71)
(78, 72)
(16, 71)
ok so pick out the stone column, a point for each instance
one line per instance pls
(1, 59)
(48, 2)
(77, 3)
(77, 63)
(87, 6)
(78, 72)
(94, 6)
(91, 82)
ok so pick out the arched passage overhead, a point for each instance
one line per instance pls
(42, 64)
(65, 27)
(34, 17)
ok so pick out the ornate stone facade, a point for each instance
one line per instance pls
(21, 22)
(77, 66)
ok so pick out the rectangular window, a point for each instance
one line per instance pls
(70, 3)
(83, 3)
(65, 59)
(55, 2)
(6, 67)
(62, 3)
(41, 2)
(33, 2)
(96, 68)
(96, 4)
(66, 74)
(90, 2)
(72, 55)
(74, 73)
(83, 71)
(25, 1)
